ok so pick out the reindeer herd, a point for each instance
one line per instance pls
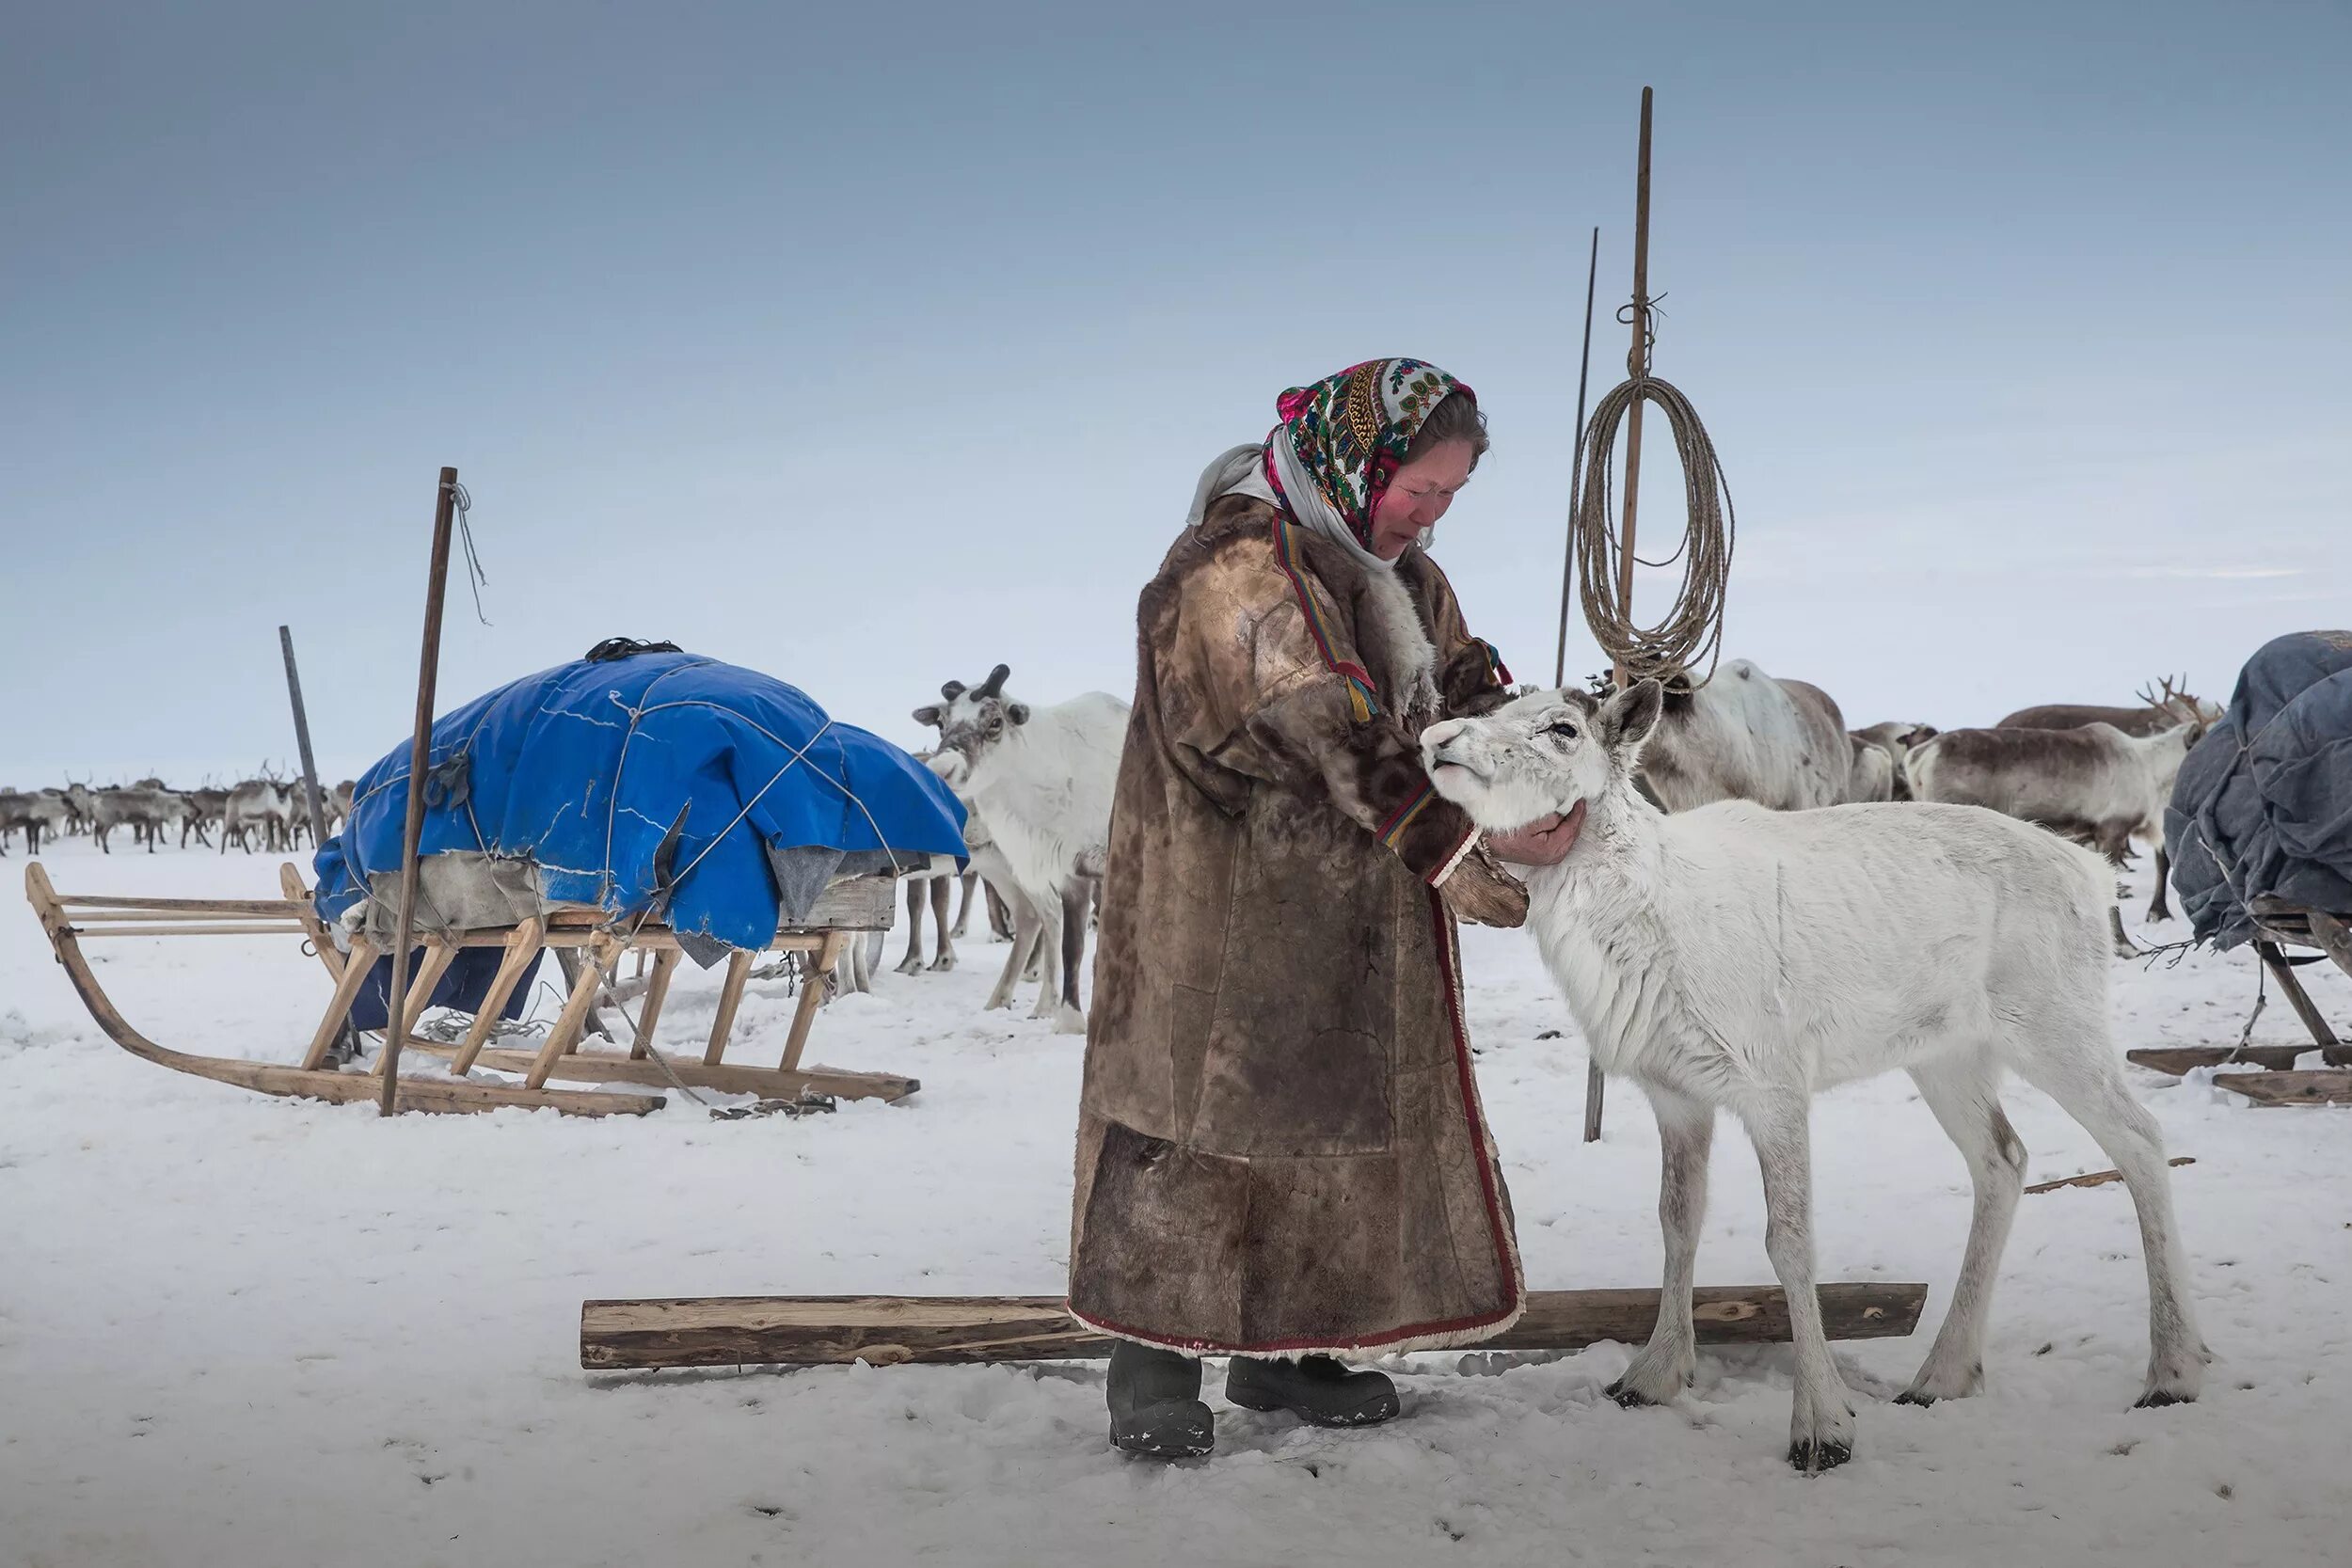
(1037, 784)
(266, 812)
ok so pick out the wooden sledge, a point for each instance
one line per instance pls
(69, 921)
(808, 1331)
(2277, 927)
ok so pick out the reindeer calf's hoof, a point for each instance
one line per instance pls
(943, 964)
(2160, 1398)
(1913, 1396)
(1813, 1458)
(1628, 1399)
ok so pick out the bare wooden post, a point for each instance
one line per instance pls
(348, 1036)
(412, 830)
(1637, 367)
(730, 998)
(302, 739)
(1576, 467)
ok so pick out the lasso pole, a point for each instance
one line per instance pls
(1636, 367)
(1576, 467)
(412, 827)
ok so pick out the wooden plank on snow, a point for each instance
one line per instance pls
(729, 1331)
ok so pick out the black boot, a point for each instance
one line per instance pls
(1156, 1404)
(1315, 1388)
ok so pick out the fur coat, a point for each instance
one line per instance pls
(1280, 1147)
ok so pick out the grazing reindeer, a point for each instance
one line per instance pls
(80, 804)
(1882, 777)
(35, 814)
(2164, 709)
(147, 811)
(1745, 736)
(2096, 784)
(1040, 782)
(263, 803)
(1747, 960)
(206, 807)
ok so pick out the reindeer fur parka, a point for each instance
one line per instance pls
(1281, 1149)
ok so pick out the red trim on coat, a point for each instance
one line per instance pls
(1495, 1230)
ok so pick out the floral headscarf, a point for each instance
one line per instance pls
(1342, 438)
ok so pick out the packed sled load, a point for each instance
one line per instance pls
(2262, 814)
(641, 781)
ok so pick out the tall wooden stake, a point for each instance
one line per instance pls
(1576, 467)
(412, 830)
(302, 739)
(346, 1035)
(1636, 367)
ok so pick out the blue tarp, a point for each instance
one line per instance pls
(584, 770)
(2262, 807)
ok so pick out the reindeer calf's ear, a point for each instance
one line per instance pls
(1017, 712)
(1626, 718)
(927, 715)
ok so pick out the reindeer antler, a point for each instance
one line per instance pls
(952, 691)
(994, 685)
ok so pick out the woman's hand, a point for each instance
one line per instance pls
(1544, 841)
(1481, 892)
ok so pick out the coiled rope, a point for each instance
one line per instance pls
(1693, 628)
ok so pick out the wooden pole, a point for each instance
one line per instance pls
(1636, 367)
(1576, 467)
(412, 830)
(302, 739)
(803, 1330)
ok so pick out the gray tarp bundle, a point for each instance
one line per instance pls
(2262, 807)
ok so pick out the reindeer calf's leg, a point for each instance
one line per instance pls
(2157, 909)
(1966, 1099)
(1070, 1018)
(913, 962)
(1686, 1136)
(943, 890)
(963, 907)
(1821, 1421)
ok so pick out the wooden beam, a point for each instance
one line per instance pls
(2183, 1060)
(2319, 1087)
(2283, 974)
(728, 1331)
(439, 956)
(573, 1018)
(522, 947)
(339, 1007)
(730, 999)
(814, 979)
(657, 992)
(274, 929)
(610, 1067)
(2099, 1178)
(285, 908)
(2333, 935)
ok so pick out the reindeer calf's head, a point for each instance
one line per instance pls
(973, 720)
(1544, 752)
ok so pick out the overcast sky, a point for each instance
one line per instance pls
(871, 345)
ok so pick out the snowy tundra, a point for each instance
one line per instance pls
(1737, 957)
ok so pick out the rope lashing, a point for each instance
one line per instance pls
(1691, 630)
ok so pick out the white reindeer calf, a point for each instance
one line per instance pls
(1747, 959)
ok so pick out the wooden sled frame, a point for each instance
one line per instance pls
(2278, 926)
(69, 921)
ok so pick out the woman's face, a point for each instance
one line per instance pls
(1417, 496)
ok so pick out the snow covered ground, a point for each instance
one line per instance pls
(250, 1331)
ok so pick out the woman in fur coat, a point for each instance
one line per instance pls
(1281, 1157)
